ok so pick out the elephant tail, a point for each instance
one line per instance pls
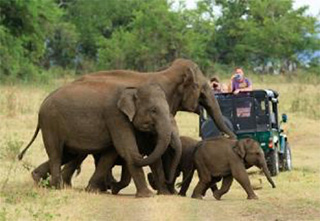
(199, 144)
(20, 156)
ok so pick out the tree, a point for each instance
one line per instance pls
(261, 31)
(24, 27)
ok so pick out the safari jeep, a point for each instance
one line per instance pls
(254, 114)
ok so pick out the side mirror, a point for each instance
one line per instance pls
(284, 118)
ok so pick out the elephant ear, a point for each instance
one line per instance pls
(240, 148)
(189, 77)
(126, 102)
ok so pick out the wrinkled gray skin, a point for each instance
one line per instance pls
(227, 159)
(148, 110)
(94, 96)
(144, 141)
(186, 165)
(248, 150)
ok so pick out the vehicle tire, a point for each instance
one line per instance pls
(273, 162)
(287, 158)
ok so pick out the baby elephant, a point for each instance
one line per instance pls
(220, 157)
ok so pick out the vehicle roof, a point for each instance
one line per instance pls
(254, 93)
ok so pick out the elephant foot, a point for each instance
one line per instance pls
(67, 185)
(108, 187)
(164, 191)
(216, 195)
(144, 193)
(182, 194)
(115, 190)
(197, 196)
(36, 177)
(253, 197)
(56, 182)
(173, 191)
(92, 188)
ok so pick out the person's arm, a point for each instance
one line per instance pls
(231, 86)
(249, 86)
(246, 89)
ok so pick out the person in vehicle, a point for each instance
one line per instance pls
(239, 83)
(216, 86)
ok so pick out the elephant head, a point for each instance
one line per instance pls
(194, 89)
(148, 110)
(252, 154)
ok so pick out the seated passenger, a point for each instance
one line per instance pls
(216, 86)
(239, 83)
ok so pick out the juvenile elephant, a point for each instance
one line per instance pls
(185, 166)
(219, 157)
(83, 117)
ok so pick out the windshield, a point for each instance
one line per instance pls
(243, 109)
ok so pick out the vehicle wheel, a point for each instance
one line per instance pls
(287, 159)
(273, 162)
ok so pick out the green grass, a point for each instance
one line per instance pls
(297, 196)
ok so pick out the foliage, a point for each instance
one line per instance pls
(24, 27)
(84, 36)
(261, 31)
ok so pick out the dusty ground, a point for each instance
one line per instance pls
(297, 196)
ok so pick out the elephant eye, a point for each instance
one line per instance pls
(153, 110)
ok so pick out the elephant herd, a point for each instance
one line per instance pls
(126, 118)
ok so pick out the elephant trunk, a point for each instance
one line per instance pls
(267, 174)
(210, 103)
(164, 131)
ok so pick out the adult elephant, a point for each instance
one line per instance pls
(186, 88)
(93, 100)
(67, 119)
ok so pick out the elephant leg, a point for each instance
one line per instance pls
(213, 187)
(159, 177)
(54, 148)
(203, 184)
(199, 189)
(171, 188)
(106, 162)
(240, 174)
(226, 184)
(167, 160)
(187, 178)
(69, 169)
(124, 180)
(109, 180)
(151, 181)
(207, 187)
(126, 146)
(139, 181)
(42, 172)
(96, 158)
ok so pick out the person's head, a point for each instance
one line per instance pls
(238, 74)
(214, 82)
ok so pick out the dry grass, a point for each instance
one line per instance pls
(297, 196)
